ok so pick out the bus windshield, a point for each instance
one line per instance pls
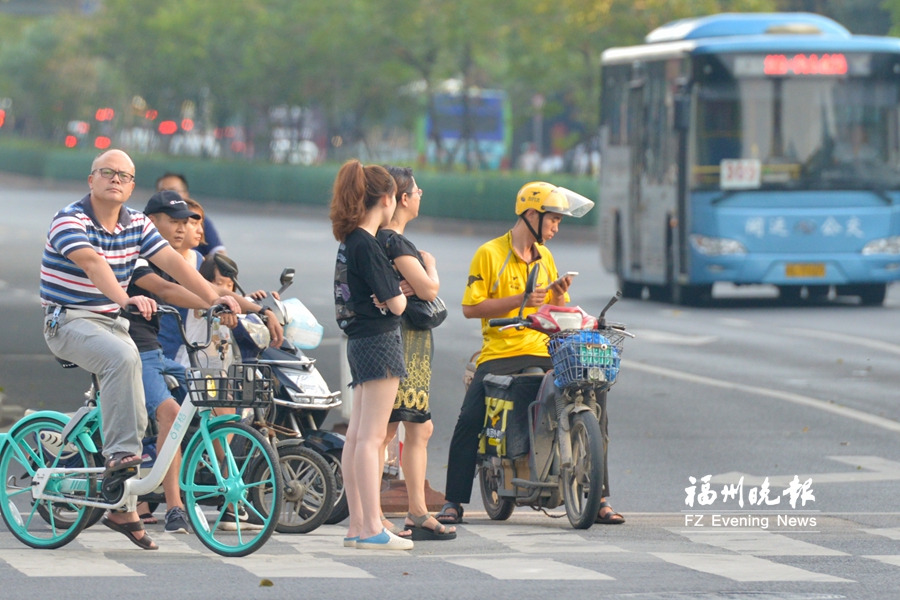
(816, 133)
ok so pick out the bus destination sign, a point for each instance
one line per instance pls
(801, 65)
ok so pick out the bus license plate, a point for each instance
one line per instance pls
(804, 270)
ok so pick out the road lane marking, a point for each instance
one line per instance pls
(296, 565)
(676, 339)
(110, 541)
(888, 559)
(740, 567)
(888, 532)
(732, 322)
(70, 563)
(846, 339)
(528, 568)
(329, 539)
(756, 542)
(836, 409)
(876, 469)
(528, 541)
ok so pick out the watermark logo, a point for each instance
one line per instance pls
(761, 496)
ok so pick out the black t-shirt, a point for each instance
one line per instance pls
(361, 270)
(144, 333)
(396, 244)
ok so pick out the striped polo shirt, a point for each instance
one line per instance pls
(75, 227)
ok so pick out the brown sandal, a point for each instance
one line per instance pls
(128, 530)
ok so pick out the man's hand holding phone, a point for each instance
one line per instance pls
(561, 285)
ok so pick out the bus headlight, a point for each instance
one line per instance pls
(889, 245)
(711, 246)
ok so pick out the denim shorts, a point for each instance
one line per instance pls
(155, 365)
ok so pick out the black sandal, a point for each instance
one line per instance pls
(449, 519)
(121, 461)
(610, 517)
(420, 533)
(128, 530)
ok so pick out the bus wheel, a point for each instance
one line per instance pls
(790, 293)
(817, 293)
(871, 294)
(690, 295)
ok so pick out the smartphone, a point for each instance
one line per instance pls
(566, 274)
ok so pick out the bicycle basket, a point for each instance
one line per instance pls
(586, 357)
(242, 386)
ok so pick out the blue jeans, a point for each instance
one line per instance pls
(155, 366)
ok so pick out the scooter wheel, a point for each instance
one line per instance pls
(583, 481)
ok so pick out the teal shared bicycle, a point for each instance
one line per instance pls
(52, 488)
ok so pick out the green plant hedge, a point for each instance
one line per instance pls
(473, 196)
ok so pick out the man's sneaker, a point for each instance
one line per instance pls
(228, 524)
(176, 521)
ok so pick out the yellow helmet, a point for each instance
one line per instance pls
(545, 197)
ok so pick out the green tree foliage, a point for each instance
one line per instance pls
(52, 76)
(360, 61)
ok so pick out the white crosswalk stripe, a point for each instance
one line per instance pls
(888, 559)
(527, 568)
(71, 563)
(102, 541)
(296, 565)
(888, 532)
(536, 552)
(532, 540)
(745, 568)
(756, 542)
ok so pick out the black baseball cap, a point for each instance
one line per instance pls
(170, 203)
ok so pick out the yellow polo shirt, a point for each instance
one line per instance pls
(498, 272)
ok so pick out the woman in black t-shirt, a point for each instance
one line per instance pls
(419, 276)
(368, 305)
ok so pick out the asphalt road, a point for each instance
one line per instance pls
(746, 387)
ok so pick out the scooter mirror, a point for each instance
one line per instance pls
(530, 286)
(228, 268)
(287, 278)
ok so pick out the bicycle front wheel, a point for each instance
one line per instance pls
(218, 480)
(42, 523)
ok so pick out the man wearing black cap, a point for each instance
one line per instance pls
(170, 215)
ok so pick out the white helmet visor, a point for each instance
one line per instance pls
(578, 204)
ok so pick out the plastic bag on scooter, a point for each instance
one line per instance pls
(506, 399)
(301, 329)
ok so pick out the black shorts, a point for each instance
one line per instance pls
(376, 357)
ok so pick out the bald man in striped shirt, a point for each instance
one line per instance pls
(90, 255)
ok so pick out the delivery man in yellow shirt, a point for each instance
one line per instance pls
(495, 289)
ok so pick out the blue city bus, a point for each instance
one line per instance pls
(490, 118)
(752, 149)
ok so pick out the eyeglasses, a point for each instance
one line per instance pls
(110, 173)
(415, 191)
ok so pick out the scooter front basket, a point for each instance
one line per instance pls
(586, 357)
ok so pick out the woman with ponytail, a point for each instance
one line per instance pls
(368, 305)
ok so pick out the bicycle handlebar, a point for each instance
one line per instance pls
(213, 311)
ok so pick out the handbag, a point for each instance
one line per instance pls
(422, 314)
